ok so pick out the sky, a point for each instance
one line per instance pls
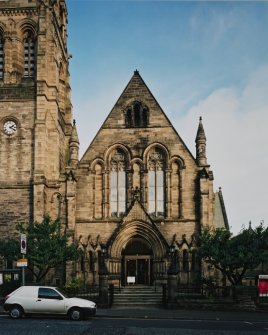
(198, 58)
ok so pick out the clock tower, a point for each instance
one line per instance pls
(35, 111)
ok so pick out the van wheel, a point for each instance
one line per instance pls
(75, 314)
(15, 312)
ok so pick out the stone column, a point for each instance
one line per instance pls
(106, 187)
(168, 192)
(180, 194)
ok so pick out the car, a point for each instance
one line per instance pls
(47, 300)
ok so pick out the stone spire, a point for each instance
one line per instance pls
(74, 147)
(200, 144)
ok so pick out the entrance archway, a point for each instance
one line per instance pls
(137, 262)
(142, 245)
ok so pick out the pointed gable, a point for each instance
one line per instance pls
(137, 212)
(136, 91)
(120, 125)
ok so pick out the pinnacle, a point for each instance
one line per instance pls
(200, 132)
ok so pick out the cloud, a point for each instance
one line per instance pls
(235, 121)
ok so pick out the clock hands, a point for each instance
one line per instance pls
(10, 127)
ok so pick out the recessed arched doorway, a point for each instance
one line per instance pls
(137, 262)
(137, 247)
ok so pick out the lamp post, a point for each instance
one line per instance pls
(173, 269)
(103, 268)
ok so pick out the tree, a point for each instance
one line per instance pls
(47, 246)
(9, 249)
(234, 255)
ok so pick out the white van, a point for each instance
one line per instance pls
(47, 300)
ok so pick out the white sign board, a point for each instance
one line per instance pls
(131, 279)
(23, 244)
(22, 262)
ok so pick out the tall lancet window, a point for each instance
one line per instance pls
(118, 183)
(156, 183)
(1, 56)
(29, 55)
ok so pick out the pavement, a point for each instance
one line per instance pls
(163, 313)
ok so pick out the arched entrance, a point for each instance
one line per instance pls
(137, 262)
(137, 249)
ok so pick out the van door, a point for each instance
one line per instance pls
(49, 301)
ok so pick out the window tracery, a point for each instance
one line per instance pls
(156, 183)
(118, 183)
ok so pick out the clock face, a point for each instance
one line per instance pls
(10, 127)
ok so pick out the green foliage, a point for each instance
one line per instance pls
(47, 246)
(10, 249)
(73, 285)
(234, 255)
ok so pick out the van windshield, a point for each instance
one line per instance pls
(62, 292)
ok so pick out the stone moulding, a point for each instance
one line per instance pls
(21, 11)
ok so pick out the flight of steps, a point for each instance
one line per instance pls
(138, 295)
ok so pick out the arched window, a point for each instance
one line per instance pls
(98, 199)
(137, 115)
(29, 55)
(175, 189)
(117, 183)
(156, 183)
(129, 122)
(1, 56)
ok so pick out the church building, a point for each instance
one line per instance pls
(137, 195)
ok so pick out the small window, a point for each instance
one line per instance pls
(137, 116)
(48, 293)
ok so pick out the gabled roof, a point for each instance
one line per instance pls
(137, 90)
(137, 212)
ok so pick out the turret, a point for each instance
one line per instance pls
(74, 147)
(200, 145)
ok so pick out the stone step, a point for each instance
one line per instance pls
(138, 296)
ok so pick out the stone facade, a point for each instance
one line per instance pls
(138, 135)
(34, 95)
(136, 198)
